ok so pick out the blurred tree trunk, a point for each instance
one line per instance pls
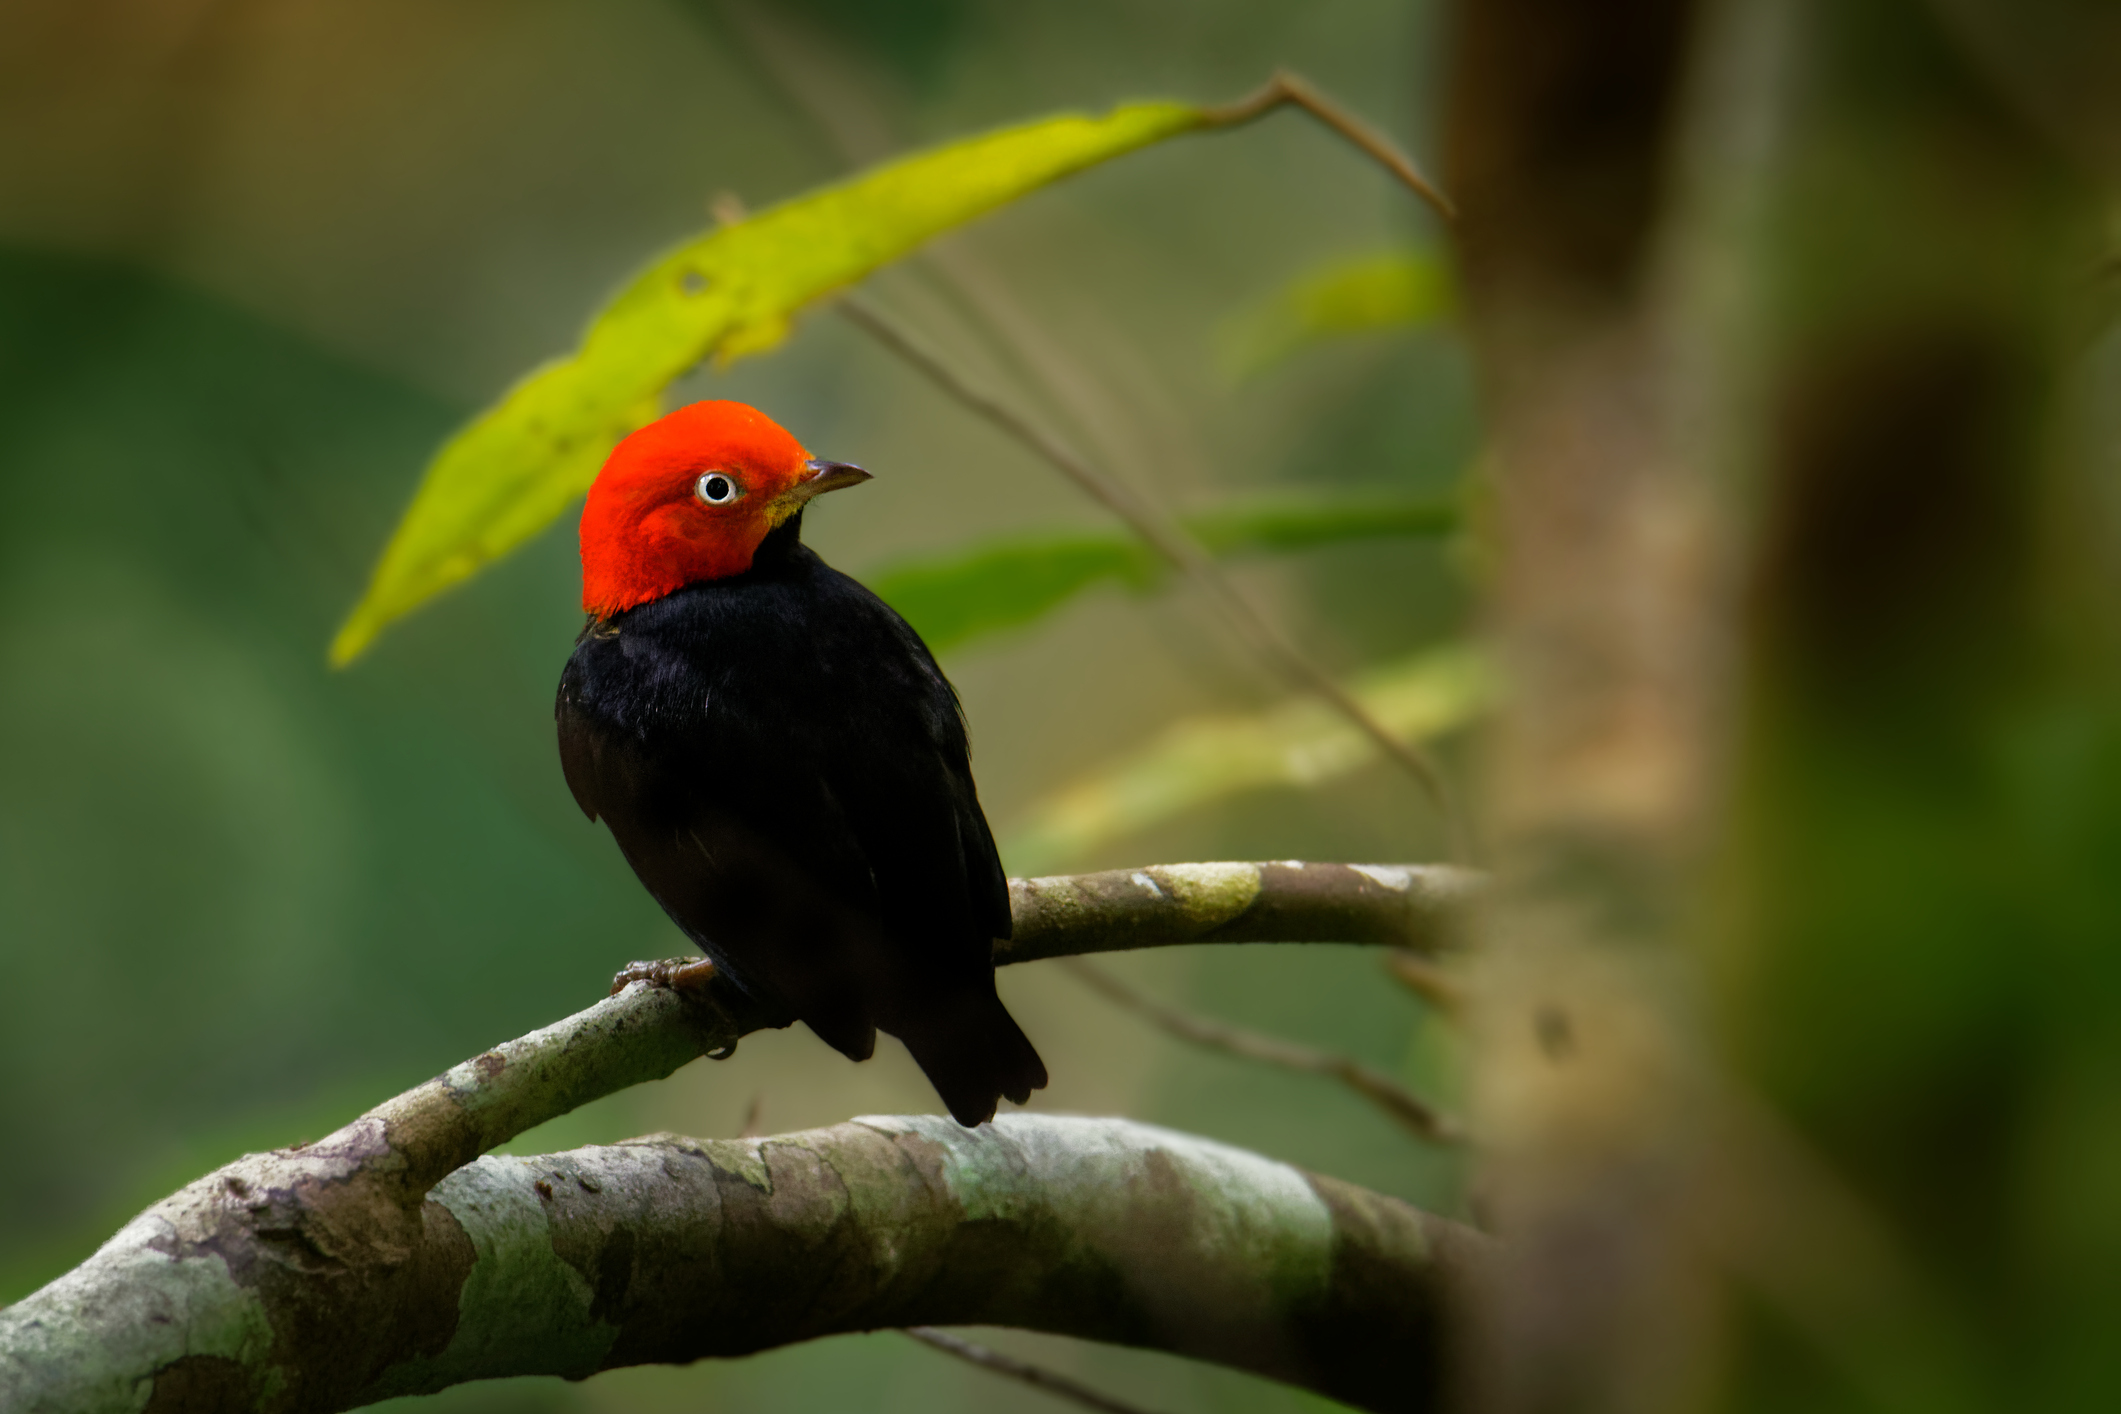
(1843, 539)
(1606, 618)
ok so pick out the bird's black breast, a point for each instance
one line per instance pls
(787, 769)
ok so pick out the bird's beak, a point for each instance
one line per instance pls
(827, 476)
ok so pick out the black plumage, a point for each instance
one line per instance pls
(787, 770)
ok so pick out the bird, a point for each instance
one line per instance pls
(780, 758)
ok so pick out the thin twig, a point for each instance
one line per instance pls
(1426, 980)
(1040, 1379)
(1406, 1108)
(855, 129)
(1169, 540)
(1286, 87)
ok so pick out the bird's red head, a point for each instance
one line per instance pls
(690, 497)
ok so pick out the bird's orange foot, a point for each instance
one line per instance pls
(680, 974)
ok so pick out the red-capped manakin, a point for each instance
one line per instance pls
(781, 760)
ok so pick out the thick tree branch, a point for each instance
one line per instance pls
(646, 1033)
(304, 1277)
(280, 1284)
(1288, 901)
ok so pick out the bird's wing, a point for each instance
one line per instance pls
(744, 848)
(578, 752)
(905, 783)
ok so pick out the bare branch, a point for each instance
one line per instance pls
(1404, 1107)
(646, 1032)
(810, 79)
(1060, 1386)
(1118, 910)
(1426, 980)
(1286, 87)
(280, 1283)
(1171, 541)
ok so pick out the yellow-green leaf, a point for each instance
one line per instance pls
(1202, 760)
(731, 292)
(1392, 290)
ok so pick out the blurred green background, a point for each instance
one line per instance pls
(256, 260)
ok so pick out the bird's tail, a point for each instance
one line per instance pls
(971, 1049)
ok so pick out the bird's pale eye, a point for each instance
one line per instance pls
(717, 488)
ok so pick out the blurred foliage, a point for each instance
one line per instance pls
(1007, 583)
(915, 37)
(1202, 760)
(1358, 295)
(1927, 977)
(732, 292)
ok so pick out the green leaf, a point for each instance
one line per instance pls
(1393, 290)
(1202, 760)
(731, 292)
(1006, 583)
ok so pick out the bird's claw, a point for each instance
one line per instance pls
(680, 974)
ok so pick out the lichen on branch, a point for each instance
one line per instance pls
(276, 1284)
(390, 1258)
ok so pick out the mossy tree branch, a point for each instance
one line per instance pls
(390, 1258)
(276, 1284)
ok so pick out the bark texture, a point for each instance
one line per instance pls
(646, 1033)
(389, 1258)
(283, 1283)
(1283, 901)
